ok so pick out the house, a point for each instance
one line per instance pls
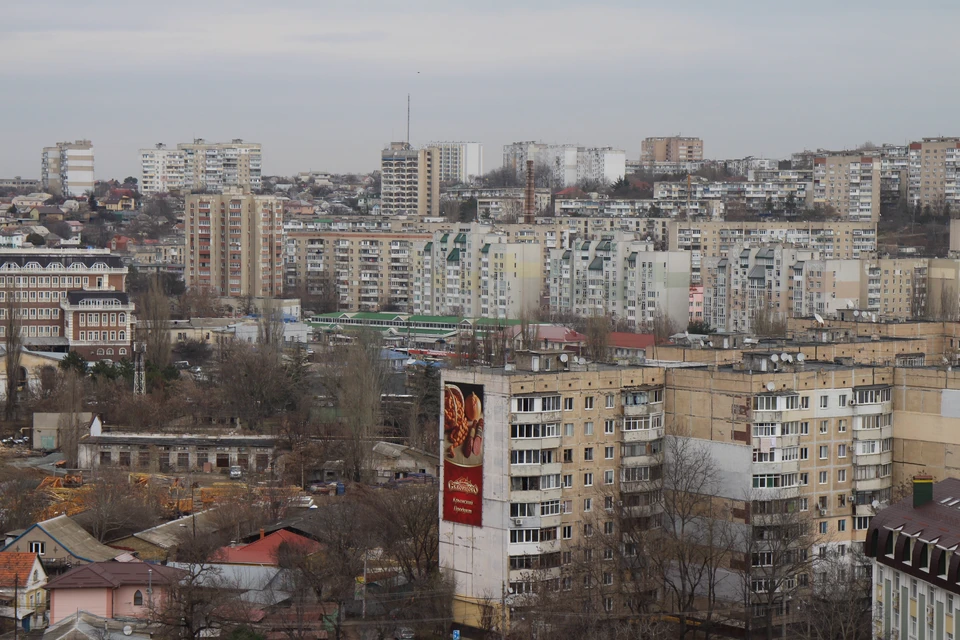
(264, 550)
(393, 461)
(60, 543)
(22, 577)
(46, 428)
(621, 344)
(550, 337)
(160, 543)
(82, 625)
(110, 589)
(119, 203)
(12, 238)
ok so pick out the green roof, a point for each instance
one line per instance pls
(439, 319)
(596, 265)
(486, 248)
(454, 256)
(444, 237)
(507, 322)
(428, 246)
(460, 239)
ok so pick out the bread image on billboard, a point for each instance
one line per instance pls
(463, 453)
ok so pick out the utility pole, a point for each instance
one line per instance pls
(16, 598)
(503, 612)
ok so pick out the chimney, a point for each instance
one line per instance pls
(262, 534)
(922, 490)
(529, 201)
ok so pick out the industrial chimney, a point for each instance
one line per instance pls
(529, 201)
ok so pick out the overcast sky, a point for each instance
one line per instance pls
(323, 85)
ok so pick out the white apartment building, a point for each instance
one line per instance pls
(850, 184)
(786, 191)
(161, 169)
(213, 166)
(67, 168)
(620, 276)
(409, 181)
(459, 161)
(568, 164)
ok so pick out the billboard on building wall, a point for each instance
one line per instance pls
(463, 453)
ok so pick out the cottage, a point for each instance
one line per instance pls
(60, 543)
(22, 578)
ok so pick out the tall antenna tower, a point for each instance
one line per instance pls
(139, 373)
(408, 119)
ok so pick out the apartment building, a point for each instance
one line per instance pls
(161, 170)
(620, 276)
(817, 438)
(478, 274)
(912, 547)
(785, 191)
(67, 168)
(850, 184)
(460, 162)
(369, 271)
(932, 172)
(67, 299)
(211, 166)
(568, 164)
(409, 181)
(671, 149)
(568, 453)
(234, 243)
(17, 182)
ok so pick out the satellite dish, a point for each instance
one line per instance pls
(771, 386)
(788, 357)
(801, 357)
(856, 313)
(564, 357)
(875, 504)
(817, 317)
(784, 357)
(127, 630)
(775, 358)
(581, 361)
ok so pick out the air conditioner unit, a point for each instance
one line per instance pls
(823, 511)
(518, 521)
(852, 498)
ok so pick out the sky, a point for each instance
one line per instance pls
(323, 85)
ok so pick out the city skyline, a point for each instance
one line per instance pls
(747, 80)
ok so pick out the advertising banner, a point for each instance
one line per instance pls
(463, 454)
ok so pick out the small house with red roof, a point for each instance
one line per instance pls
(22, 578)
(621, 344)
(263, 551)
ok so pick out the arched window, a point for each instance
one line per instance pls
(99, 352)
(109, 352)
(122, 335)
(123, 352)
(138, 599)
(123, 318)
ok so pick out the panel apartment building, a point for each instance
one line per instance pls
(568, 164)
(410, 181)
(460, 162)
(850, 184)
(933, 172)
(234, 243)
(212, 166)
(67, 168)
(67, 299)
(671, 149)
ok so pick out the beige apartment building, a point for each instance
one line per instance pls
(213, 166)
(67, 168)
(850, 184)
(671, 149)
(932, 172)
(370, 271)
(234, 243)
(410, 180)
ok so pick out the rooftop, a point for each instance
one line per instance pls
(110, 575)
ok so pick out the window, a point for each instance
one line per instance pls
(137, 598)
(519, 536)
(805, 402)
(524, 405)
(38, 548)
(551, 481)
(823, 477)
(804, 428)
(804, 454)
(765, 403)
(588, 530)
(608, 453)
(824, 402)
(861, 523)
(823, 528)
(608, 528)
(842, 524)
(823, 452)
(608, 602)
(804, 479)
(762, 559)
(567, 481)
(588, 402)
(608, 476)
(841, 451)
(842, 400)
(588, 479)
(608, 503)
(588, 453)
(568, 404)
(551, 403)
(568, 429)
(842, 426)
(525, 456)
(803, 504)
(609, 426)
(588, 428)
(841, 475)
(824, 426)
(568, 455)
(609, 401)
(566, 532)
(550, 508)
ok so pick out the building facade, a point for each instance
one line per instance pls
(161, 170)
(211, 166)
(566, 164)
(671, 149)
(410, 181)
(234, 243)
(933, 172)
(850, 184)
(460, 162)
(67, 168)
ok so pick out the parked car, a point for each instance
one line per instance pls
(236, 473)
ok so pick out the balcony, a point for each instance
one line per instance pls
(639, 410)
(642, 435)
(872, 408)
(873, 484)
(551, 442)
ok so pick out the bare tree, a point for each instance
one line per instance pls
(662, 326)
(270, 327)
(69, 425)
(253, 382)
(598, 331)
(406, 519)
(838, 606)
(112, 504)
(153, 324)
(13, 328)
(768, 323)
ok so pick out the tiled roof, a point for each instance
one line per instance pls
(99, 575)
(72, 538)
(16, 565)
(264, 550)
(630, 340)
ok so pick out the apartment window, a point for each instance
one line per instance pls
(824, 452)
(824, 402)
(568, 455)
(567, 556)
(588, 428)
(38, 548)
(587, 530)
(609, 426)
(842, 426)
(588, 402)
(842, 524)
(568, 429)
(525, 405)
(567, 481)
(804, 428)
(823, 477)
(608, 503)
(824, 426)
(608, 453)
(588, 453)
(805, 402)
(804, 454)
(566, 532)
(861, 523)
(823, 528)
(588, 479)
(608, 528)
(568, 404)
(842, 400)
(841, 475)
(803, 503)
(551, 403)
(609, 401)
(608, 476)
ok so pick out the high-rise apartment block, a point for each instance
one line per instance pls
(212, 166)
(460, 162)
(671, 149)
(620, 276)
(933, 172)
(567, 165)
(234, 243)
(67, 168)
(409, 181)
(850, 184)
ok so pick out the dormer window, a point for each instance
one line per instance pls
(888, 547)
(905, 552)
(942, 564)
(924, 562)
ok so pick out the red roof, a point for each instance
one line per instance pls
(16, 565)
(626, 340)
(570, 191)
(264, 550)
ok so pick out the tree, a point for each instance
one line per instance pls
(423, 385)
(153, 325)
(20, 503)
(69, 425)
(36, 239)
(406, 520)
(839, 604)
(113, 504)
(74, 362)
(598, 331)
(767, 323)
(130, 180)
(270, 328)
(254, 383)
(700, 328)
(13, 328)
(662, 326)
